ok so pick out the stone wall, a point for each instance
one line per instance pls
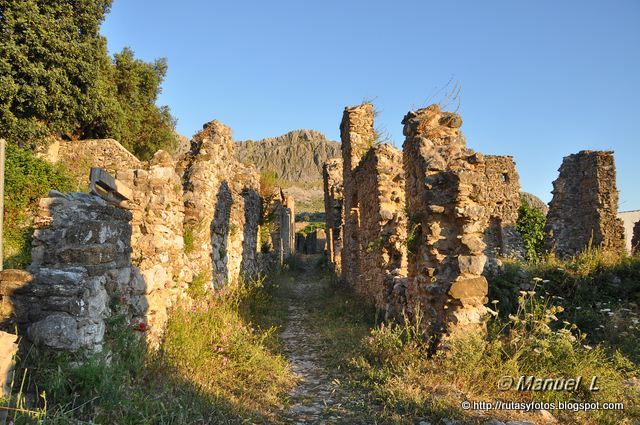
(157, 240)
(583, 209)
(501, 195)
(447, 222)
(382, 231)
(222, 207)
(357, 135)
(81, 261)
(80, 155)
(334, 214)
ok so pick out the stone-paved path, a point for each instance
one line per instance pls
(319, 398)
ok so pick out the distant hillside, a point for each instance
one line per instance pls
(297, 156)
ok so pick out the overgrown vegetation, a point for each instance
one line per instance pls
(310, 228)
(27, 179)
(56, 78)
(214, 365)
(553, 319)
(530, 225)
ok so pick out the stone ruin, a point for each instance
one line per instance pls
(197, 217)
(426, 254)
(382, 229)
(357, 136)
(81, 258)
(583, 211)
(333, 200)
(312, 243)
(284, 235)
(447, 223)
(222, 207)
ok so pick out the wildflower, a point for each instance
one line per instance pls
(494, 302)
(546, 281)
(605, 310)
(531, 292)
(588, 347)
(492, 312)
(142, 326)
(535, 350)
(537, 279)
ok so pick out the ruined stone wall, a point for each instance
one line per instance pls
(157, 240)
(584, 206)
(222, 207)
(80, 155)
(382, 233)
(501, 195)
(447, 221)
(81, 262)
(357, 135)
(334, 214)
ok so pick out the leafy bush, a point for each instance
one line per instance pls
(530, 225)
(27, 179)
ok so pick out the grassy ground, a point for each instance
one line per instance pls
(222, 358)
(218, 363)
(552, 319)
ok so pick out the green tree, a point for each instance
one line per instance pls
(143, 127)
(51, 60)
(56, 78)
(530, 224)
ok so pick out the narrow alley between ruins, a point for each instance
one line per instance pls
(321, 396)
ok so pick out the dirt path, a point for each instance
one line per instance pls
(319, 397)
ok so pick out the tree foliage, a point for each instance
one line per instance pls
(530, 224)
(56, 78)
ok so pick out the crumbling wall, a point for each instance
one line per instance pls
(501, 195)
(583, 210)
(157, 240)
(284, 232)
(222, 207)
(80, 155)
(382, 234)
(357, 135)
(334, 214)
(81, 262)
(447, 222)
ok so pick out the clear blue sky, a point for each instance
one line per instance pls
(540, 79)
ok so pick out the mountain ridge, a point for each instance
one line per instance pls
(296, 156)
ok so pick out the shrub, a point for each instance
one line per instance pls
(530, 225)
(27, 179)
